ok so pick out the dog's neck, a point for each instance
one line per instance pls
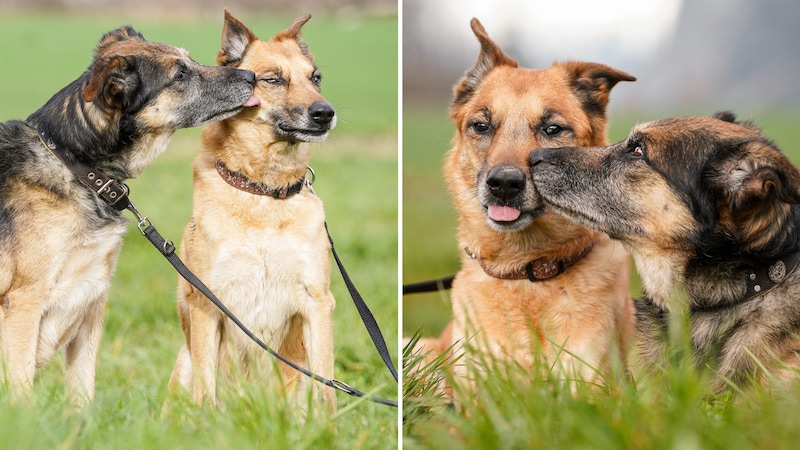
(539, 269)
(541, 251)
(241, 182)
(672, 282)
(252, 151)
(84, 133)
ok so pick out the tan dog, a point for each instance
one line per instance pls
(59, 237)
(529, 278)
(257, 235)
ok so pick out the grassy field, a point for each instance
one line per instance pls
(510, 411)
(356, 177)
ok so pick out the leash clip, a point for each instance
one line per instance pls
(141, 222)
(346, 388)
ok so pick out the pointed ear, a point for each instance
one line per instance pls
(112, 80)
(293, 33)
(236, 37)
(759, 174)
(120, 34)
(592, 82)
(490, 57)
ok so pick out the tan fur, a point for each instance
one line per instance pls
(267, 259)
(587, 310)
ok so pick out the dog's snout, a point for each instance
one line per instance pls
(505, 182)
(535, 158)
(321, 113)
(248, 76)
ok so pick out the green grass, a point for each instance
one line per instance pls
(356, 177)
(509, 408)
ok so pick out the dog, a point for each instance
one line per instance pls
(708, 207)
(531, 283)
(257, 234)
(59, 241)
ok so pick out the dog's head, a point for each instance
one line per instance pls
(288, 82)
(678, 190)
(157, 86)
(135, 94)
(502, 111)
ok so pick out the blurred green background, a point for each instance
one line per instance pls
(357, 177)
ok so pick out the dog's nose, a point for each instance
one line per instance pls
(248, 76)
(321, 113)
(505, 182)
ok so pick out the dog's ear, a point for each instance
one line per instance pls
(758, 174)
(293, 33)
(725, 116)
(120, 34)
(236, 37)
(592, 82)
(490, 57)
(112, 80)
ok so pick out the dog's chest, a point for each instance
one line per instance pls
(274, 263)
(80, 277)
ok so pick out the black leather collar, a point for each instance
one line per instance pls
(112, 191)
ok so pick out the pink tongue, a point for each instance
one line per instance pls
(503, 213)
(252, 101)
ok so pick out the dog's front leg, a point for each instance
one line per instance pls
(81, 354)
(204, 349)
(21, 322)
(318, 336)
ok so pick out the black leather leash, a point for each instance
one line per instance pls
(439, 284)
(363, 310)
(116, 194)
(167, 249)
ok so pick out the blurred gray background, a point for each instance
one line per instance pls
(205, 6)
(687, 54)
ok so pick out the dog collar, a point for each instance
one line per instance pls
(113, 192)
(760, 281)
(764, 279)
(539, 269)
(241, 182)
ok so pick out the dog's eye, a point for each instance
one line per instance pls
(481, 127)
(272, 80)
(553, 130)
(316, 79)
(182, 74)
(637, 151)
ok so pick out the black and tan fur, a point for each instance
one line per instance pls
(701, 203)
(501, 111)
(268, 259)
(58, 241)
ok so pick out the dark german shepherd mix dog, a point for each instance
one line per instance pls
(709, 209)
(59, 241)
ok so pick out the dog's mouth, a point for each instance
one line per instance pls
(301, 134)
(508, 218)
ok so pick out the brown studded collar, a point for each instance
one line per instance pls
(539, 269)
(241, 182)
